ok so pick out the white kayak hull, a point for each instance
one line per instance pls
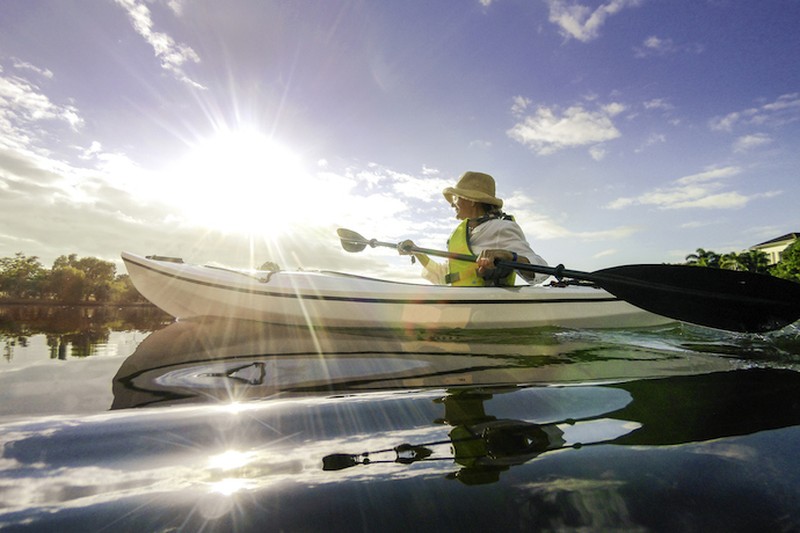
(330, 299)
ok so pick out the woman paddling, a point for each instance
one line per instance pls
(485, 231)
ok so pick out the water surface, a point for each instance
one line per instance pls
(127, 422)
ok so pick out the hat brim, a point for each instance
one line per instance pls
(469, 194)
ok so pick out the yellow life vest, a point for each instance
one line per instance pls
(465, 273)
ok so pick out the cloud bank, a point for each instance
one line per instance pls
(581, 22)
(704, 190)
(173, 55)
(548, 129)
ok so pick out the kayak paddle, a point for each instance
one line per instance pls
(711, 297)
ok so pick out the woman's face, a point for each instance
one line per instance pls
(465, 208)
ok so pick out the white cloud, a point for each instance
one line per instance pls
(520, 105)
(173, 55)
(654, 45)
(427, 188)
(785, 109)
(727, 200)
(22, 106)
(24, 65)
(547, 131)
(613, 109)
(94, 149)
(24, 100)
(749, 142)
(480, 144)
(605, 253)
(176, 6)
(581, 22)
(711, 175)
(658, 103)
(538, 226)
(703, 190)
(427, 171)
(694, 224)
(652, 139)
(598, 153)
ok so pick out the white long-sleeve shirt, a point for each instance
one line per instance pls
(495, 234)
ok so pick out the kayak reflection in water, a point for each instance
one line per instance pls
(481, 444)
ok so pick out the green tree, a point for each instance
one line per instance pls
(22, 276)
(67, 284)
(705, 258)
(789, 265)
(123, 291)
(98, 275)
(750, 261)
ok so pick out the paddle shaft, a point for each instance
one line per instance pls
(557, 271)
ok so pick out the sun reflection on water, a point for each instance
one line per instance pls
(230, 486)
(230, 459)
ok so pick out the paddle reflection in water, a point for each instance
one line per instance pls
(482, 445)
(656, 412)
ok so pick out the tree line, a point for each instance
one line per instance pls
(751, 261)
(71, 280)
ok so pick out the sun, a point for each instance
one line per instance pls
(242, 181)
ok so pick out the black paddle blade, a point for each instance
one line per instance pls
(339, 461)
(712, 297)
(352, 241)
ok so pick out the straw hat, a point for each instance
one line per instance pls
(475, 186)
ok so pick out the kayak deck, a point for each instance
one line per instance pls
(332, 299)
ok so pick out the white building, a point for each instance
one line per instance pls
(775, 247)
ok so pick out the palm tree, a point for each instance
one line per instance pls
(750, 261)
(705, 258)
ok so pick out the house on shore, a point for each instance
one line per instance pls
(775, 247)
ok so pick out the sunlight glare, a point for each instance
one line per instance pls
(229, 460)
(234, 407)
(230, 486)
(243, 181)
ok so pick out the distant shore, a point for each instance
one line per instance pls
(57, 303)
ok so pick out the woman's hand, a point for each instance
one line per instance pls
(405, 247)
(487, 259)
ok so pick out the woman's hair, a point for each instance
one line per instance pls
(491, 209)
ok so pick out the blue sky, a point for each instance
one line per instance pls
(619, 131)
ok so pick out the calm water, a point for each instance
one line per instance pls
(120, 420)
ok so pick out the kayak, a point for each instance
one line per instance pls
(341, 300)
